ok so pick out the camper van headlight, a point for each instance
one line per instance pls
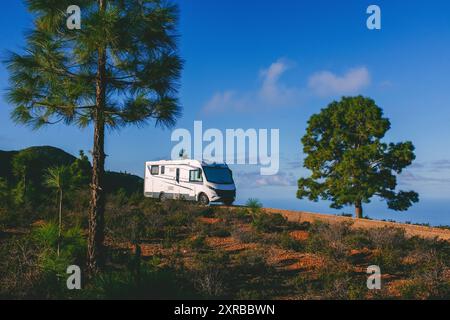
(214, 190)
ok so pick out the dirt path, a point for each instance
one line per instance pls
(411, 230)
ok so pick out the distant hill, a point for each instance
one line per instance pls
(47, 156)
(5, 164)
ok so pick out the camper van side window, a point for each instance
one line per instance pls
(195, 176)
(155, 170)
(163, 169)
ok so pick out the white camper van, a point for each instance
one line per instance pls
(189, 180)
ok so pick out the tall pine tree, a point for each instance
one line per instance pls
(121, 68)
(348, 159)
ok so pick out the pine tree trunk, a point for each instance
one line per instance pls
(97, 205)
(358, 210)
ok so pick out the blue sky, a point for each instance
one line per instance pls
(266, 64)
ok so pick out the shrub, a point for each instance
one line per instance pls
(197, 242)
(358, 239)
(219, 231)
(285, 241)
(180, 219)
(206, 211)
(389, 260)
(387, 237)
(245, 236)
(249, 294)
(301, 283)
(429, 275)
(210, 282)
(30, 266)
(19, 271)
(243, 215)
(170, 236)
(390, 247)
(72, 248)
(152, 283)
(265, 222)
(19, 216)
(348, 215)
(412, 290)
(253, 204)
(329, 239)
(252, 262)
(46, 235)
(210, 274)
(4, 193)
(338, 282)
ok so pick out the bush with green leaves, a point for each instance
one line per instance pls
(30, 266)
(238, 215)
(170, 236)
(210, 274)
(430, 274)
(72, 251)
(252, 262)
(265, 222)
(337, 281)
(4, 194)
(286, 241)
(21, 216)
(197, 242)
(329, 239)
(358, 239)
(390, 246)
(219, 229)
(250, 294)
(412, 290)
(19, 272)
(152, 283)
(246, 236)
(253, 204)
(180, 218)
(387, 237)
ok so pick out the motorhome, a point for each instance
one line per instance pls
(192, 180)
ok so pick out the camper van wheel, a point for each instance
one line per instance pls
(162, 197)
(203, 199)
(228, 202)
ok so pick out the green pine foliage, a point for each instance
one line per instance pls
(348, 160)
(54, 79)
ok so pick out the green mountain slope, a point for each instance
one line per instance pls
(41, 158)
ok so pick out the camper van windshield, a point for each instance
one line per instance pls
(218, 175)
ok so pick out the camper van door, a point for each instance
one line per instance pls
(177, 190)
(185, 188)
(148, 186)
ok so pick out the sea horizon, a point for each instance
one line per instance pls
(435, 212)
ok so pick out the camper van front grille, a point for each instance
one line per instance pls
(226, 193)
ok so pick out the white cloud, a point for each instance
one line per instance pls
(220, 101)
(256, 180)
(327, 83)
(272, 92)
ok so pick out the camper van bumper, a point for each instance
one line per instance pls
(223, 195)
